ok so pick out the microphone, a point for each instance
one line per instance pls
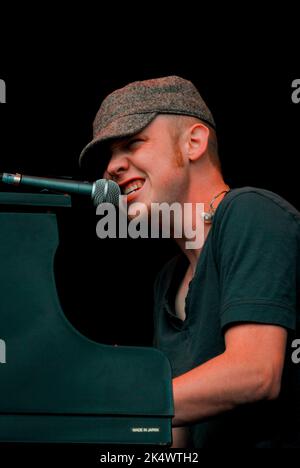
(101, 191)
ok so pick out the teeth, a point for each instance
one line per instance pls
(133, 186)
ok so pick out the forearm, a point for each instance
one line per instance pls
(217, 386)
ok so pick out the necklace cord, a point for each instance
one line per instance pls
(209, 216)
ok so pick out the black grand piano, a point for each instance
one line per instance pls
(57, 385)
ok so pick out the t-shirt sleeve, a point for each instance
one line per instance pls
(257, 260)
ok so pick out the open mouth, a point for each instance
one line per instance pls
(132, 186)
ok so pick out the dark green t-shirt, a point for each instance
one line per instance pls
(248, 271)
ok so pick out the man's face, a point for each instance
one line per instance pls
(149, 167)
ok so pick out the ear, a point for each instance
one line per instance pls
(197, 141)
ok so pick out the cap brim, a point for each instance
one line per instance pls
(90, 159)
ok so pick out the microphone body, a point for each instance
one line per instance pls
(101, 191)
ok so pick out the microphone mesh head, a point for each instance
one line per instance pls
(105, 191)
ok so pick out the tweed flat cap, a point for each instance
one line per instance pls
(128, 110)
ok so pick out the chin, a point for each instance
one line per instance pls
(139, 210)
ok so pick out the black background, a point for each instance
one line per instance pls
(54, 90)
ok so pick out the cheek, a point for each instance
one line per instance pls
(167, 174)
(170, 185)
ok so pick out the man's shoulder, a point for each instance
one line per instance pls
(253, 200)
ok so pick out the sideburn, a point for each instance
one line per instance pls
(178, 156)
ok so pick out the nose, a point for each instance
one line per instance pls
(117, 165)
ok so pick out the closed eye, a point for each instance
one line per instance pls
(134, 143)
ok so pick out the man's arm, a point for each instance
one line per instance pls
(249, 370)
